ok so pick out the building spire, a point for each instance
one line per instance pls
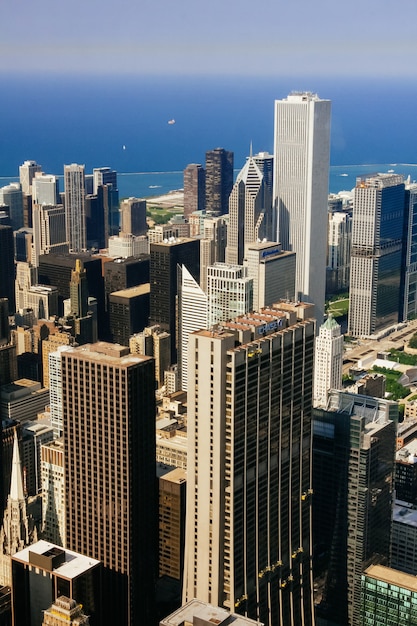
(250, 150)
(16, 482)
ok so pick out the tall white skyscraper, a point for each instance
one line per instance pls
(74, 179)
(27, 172)
(45, 189)
(301, 184)
(250, 211)
(328, 361)
(192, 305)
(49, 233)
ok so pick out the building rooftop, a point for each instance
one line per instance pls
(107, 352)
(73, 566)
(407, 454)
(404, 514)
(392, 576)
(132, 292)
(206, 615)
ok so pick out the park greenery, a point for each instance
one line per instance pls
(338, 305)
(393, 387)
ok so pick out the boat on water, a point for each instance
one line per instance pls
(170, 122)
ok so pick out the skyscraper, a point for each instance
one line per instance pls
(194, 188)
(301, 185)
(376, 263)
(133, 213)
(49, 232)
(410, 253)
(74, 180)
(27, 172)
(165, 256)
(7, 274)
(328, 360)
(353, 466)
(229, 292)
(192, 313)
(248, 472)
(250, 212)
(45, 189)
(219, 180)
(11, 195)
(109, 456)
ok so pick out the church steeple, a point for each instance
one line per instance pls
(16, 482)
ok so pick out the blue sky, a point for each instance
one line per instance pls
(265, 37)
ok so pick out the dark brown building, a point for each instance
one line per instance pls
(194, 188)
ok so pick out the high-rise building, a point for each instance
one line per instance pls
(219, 180)
(353, 467)
(301, 184)
(250, 212)
(265, 162)
(128, 312)
(43, 572)
(172, 494)
(103, 176)
(109, 456)
(229, 292)
(201, 613)
(272, 271)
(388, 597)
(194, 188)
(133, 214)
(375, 300)
(74, 180)
(11, 195)
(248, 523)
(7, 274)
(165, 256)
(339, 251)
(192, 316)
(45, 189)
(156, 343)
(410, 254)
(328, 360)
(212, 245)
(27, 172)
(49, 233)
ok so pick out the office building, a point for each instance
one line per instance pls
(56, 269)
(192, 315)
(194, 188)
(404, 538)
(338, 252)
(272, 271)
(67, 611)
(375, 296)
(198, 613)
(406, 471)
(388, 597)
(229, 292)
(22, 400)
(126, 245)
(45, 189)
(49, 233)
(172, 494)
(34, 434)
(410, 253)
(165, 256)
(55, 390)
(128, 312)
(155, 342)
(250, 212)
(11, 196)
(75, 220)
(125, 273)
(44, 572)
(328, 360)
(265, 163)
(212, 245)
(301, 185)
(248, 527)
(109, 457)
(219, 180)
(23, 238)
(27, 172)
(133, 214)
(7, 275)
(53, 492)
(353, 467)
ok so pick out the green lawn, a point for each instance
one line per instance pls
(339, 307)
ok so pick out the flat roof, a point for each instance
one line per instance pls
(392, 576)
(75, 564)
(207, 612)
(404, 514)
(132, 292)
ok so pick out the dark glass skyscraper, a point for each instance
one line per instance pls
(219, 180)
(194, 188)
